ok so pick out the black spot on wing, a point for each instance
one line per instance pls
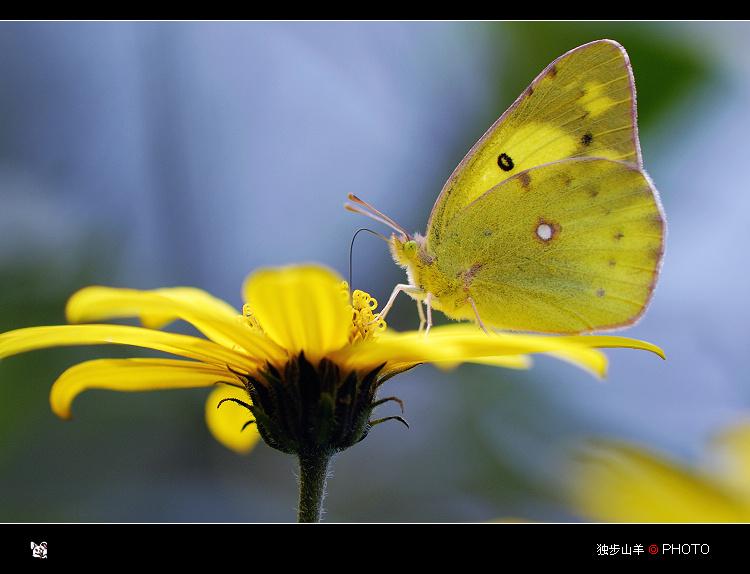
(505, 162)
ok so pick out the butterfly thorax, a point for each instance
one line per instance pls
(424, 272)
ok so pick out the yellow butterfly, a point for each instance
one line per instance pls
(550, 222)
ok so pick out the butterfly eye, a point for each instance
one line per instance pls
(504, 161)
(410, 249)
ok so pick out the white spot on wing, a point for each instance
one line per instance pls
(544, 231)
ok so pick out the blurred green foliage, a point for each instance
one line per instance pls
(666, 69)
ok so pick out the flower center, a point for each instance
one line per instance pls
(364, 323)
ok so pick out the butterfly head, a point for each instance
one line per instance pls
(408, 249)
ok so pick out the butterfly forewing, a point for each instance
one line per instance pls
(581, 105)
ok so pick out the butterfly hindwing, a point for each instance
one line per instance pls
(566, 247)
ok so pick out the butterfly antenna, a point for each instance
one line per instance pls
(373, 213)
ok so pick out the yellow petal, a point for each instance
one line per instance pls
(194, 299)
(462, 342)
(300, 308)
(131, 375)
(23, 340)
(214, 318)
(226, 422)
(465, 347)
(622, 483)
(98, 303)
(731, 454)
(591, 360)
(612, 342)
(507, 361)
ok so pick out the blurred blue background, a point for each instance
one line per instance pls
(139, 154)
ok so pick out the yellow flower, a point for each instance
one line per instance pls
(303, 362)
(621, 482)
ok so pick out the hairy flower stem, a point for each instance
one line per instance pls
(313, 471)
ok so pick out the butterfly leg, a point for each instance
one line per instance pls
(428, 304)
(411, 290)
(476, 313)
(422, 320)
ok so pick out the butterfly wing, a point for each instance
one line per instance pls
(567, 247)
(581, 105)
